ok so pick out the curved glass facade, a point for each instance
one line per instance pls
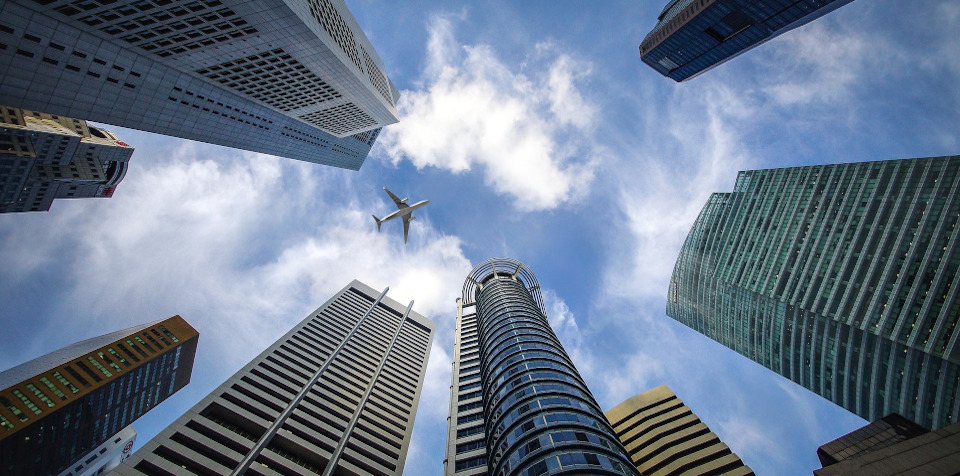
(539, 415)
(840, 277)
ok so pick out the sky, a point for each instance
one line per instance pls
(536, 133)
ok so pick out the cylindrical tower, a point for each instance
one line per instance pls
(539, 415)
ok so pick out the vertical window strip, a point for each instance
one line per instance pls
(74, 374)
(145, 344)
(66, 383)
(53, 388)
(168, 333)
(165, 342)
(42, 396)
(99, 367)
(4, 423)
(121, 359)
(13, 409)
(29, 403)
(127, 351)
(110, 362)
(152, 340)
(137, 348)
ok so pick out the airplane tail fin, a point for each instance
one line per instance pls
(378, 222)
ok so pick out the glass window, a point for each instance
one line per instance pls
(13, 409)
(53, 388)
(42, 396)
(26, 401)
(99, 367)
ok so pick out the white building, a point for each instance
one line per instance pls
(106, 456)
(293, 78)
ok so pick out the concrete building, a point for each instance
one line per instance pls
(292, 78)
(663, 436)
(104, 457)
(841, 278)
(518, 406)
(84, 394)
(43, 157)
(693, 36)
(337, 395)
(892, 446)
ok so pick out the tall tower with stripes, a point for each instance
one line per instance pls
(842, 278)
(518, 406)
(337, 395)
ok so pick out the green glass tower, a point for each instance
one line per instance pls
(838, 277)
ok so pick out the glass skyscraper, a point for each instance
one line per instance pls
(842, 278)
(518, 406)
(693, 36)
(337, 395)
(292, 78)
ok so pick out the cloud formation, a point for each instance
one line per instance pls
(527, 131)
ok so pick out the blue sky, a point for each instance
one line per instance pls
(536, 133)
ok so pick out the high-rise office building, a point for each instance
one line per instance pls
(663, 436)
(892, 446)
(105, 457)
(693, 36)
(518, 406)
(337, 395)
(293, 78)
(43, 157)
(842, 278)
(60, 406)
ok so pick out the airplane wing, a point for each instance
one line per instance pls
(396, 199)
(406, 228)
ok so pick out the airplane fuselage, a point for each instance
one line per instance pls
(405, 211)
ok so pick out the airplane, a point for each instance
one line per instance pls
(403, 210)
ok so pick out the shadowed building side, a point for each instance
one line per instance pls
(83, 394)
(663, 436)
(694, 36)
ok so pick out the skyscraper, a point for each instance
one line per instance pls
(293, 78)
(663, 436)
(892, 446)
(518, 406)
(337, 395)
(841, 278)
(693, 36)
(43, 157)
(105, 457)
(60, 406)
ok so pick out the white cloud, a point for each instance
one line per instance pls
(241, 245)
(561, 319)
(526, 131)
(660, 193)
(820, 62)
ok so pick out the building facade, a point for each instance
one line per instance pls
(292, 78)
(44, 157)
(104, 457)
(336, 395)
(518, 406)
(892, 446)
(693, 36)
(663, 436)
(841, 278)
(58, 407)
